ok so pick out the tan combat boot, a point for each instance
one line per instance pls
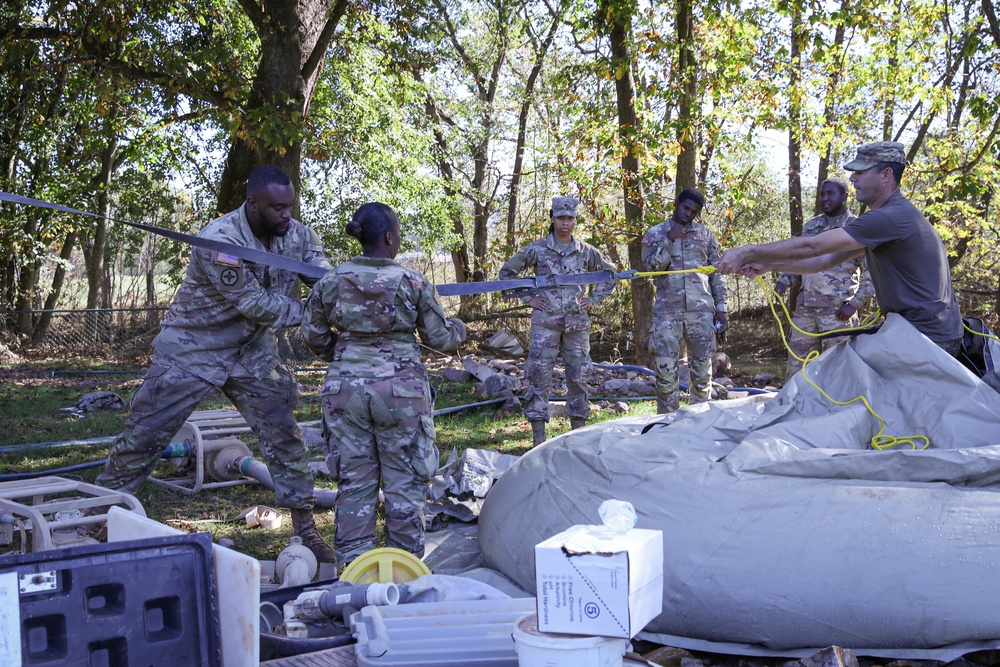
(577, 422)
(537, 432)
(304, 526)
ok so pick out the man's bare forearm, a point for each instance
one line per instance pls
(803, 254)
(787, 252)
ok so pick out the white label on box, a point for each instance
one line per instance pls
(10, 620)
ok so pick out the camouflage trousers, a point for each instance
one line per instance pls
(814, 320)
(167, 397)
(546, 343)
(376, 429)
(665, 337)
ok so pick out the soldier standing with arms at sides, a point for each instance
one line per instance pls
(688, 306)
(362, 317)
(219, 333)
(830, 299)
(559, 319)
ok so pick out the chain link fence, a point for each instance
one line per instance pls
(99, 332)
(106, 333)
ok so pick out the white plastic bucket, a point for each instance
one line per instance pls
(547, 649)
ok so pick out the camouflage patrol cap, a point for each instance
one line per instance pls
(870, 155)
(564, 206)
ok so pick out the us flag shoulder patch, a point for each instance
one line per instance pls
(231, 260)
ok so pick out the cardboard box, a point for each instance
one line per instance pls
(589, 582)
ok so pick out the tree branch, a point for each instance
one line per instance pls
(324, 39)
(255, 12)
(477, 74)
(991, 17)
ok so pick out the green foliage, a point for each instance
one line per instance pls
(417, 106)
(367, 146)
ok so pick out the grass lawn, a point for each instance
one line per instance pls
(32, 396)
(33, 393)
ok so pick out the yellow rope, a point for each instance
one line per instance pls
(653, 274)
(979, 333)
(879, 440)
(773, 296)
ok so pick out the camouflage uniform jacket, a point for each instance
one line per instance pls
(684, 292)
(848, 282)
(548, 256)
(362, 318)
(226, 309)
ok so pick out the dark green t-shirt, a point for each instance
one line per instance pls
(909, 267)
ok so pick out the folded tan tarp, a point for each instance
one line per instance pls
(783, 531)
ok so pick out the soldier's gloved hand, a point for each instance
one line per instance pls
(721, 321)
(586, 302)
(846, 312)
(781, 288)
(539, 303)
(676, 231)
(460, 325)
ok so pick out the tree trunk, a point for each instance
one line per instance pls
(41, 329)
(459, 255)
(99, 239)
(795, 123)
(294, 36)
(889, 110)
(994, 24)
(687, 160)
(618, 20)
(481, 213)
(522, 132)
(829, 108)
(27, 281)
(25, 303)
(996, 295)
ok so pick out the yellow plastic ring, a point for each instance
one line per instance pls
(384, 566)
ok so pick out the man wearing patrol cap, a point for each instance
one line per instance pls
(559, 319)
(906, 258)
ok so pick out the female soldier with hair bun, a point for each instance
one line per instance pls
(377, 408)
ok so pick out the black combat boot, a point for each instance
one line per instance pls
(304, 526)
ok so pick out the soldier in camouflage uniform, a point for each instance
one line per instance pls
(377, 404)
(830, 299)
(219, 333)
(688, 306)
(559, 320)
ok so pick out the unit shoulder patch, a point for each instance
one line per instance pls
(229, 277)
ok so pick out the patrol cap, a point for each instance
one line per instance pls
(870, 155)
(564, 206)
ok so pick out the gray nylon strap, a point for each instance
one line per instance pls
(302, 268)
(249, 254)
(542, 282)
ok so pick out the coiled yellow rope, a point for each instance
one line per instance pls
(773, 296)
(879, 441)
